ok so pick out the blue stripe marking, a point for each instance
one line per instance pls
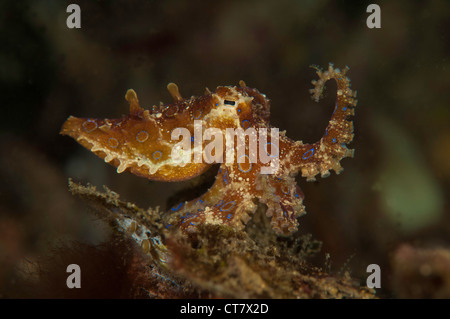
(225, 210)
(177, 208)
(307, 155)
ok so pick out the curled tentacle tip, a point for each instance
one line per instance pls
(242, 84)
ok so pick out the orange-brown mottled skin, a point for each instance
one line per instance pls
(141, 143)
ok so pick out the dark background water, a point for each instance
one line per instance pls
(395, 190)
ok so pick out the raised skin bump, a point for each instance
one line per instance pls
(238, 183)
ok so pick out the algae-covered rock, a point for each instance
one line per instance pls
(219, 261)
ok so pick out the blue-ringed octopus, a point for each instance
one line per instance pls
(142, 143)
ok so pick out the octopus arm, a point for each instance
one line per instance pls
(228, 202)
(326, 154)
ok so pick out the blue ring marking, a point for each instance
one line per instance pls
(170, 225)
(177, 208)
(295, 194)
(265, 148)
(192, 139)
(115, 139)
(239, 164)
(229, 216)
(226, 181)
(89, 121)
(201, 201)
(225, 210)
(167, 114)
(326, 132)
(344, 108)
(287, 192)
(199, 115)
(306, 156)
(160, 154)
(239, 110)
(242, 124)
(217, 104)
(334, 140)
(142, 140)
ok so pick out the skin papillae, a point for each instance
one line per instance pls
(141, 143)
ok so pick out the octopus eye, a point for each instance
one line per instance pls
(229, 102)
